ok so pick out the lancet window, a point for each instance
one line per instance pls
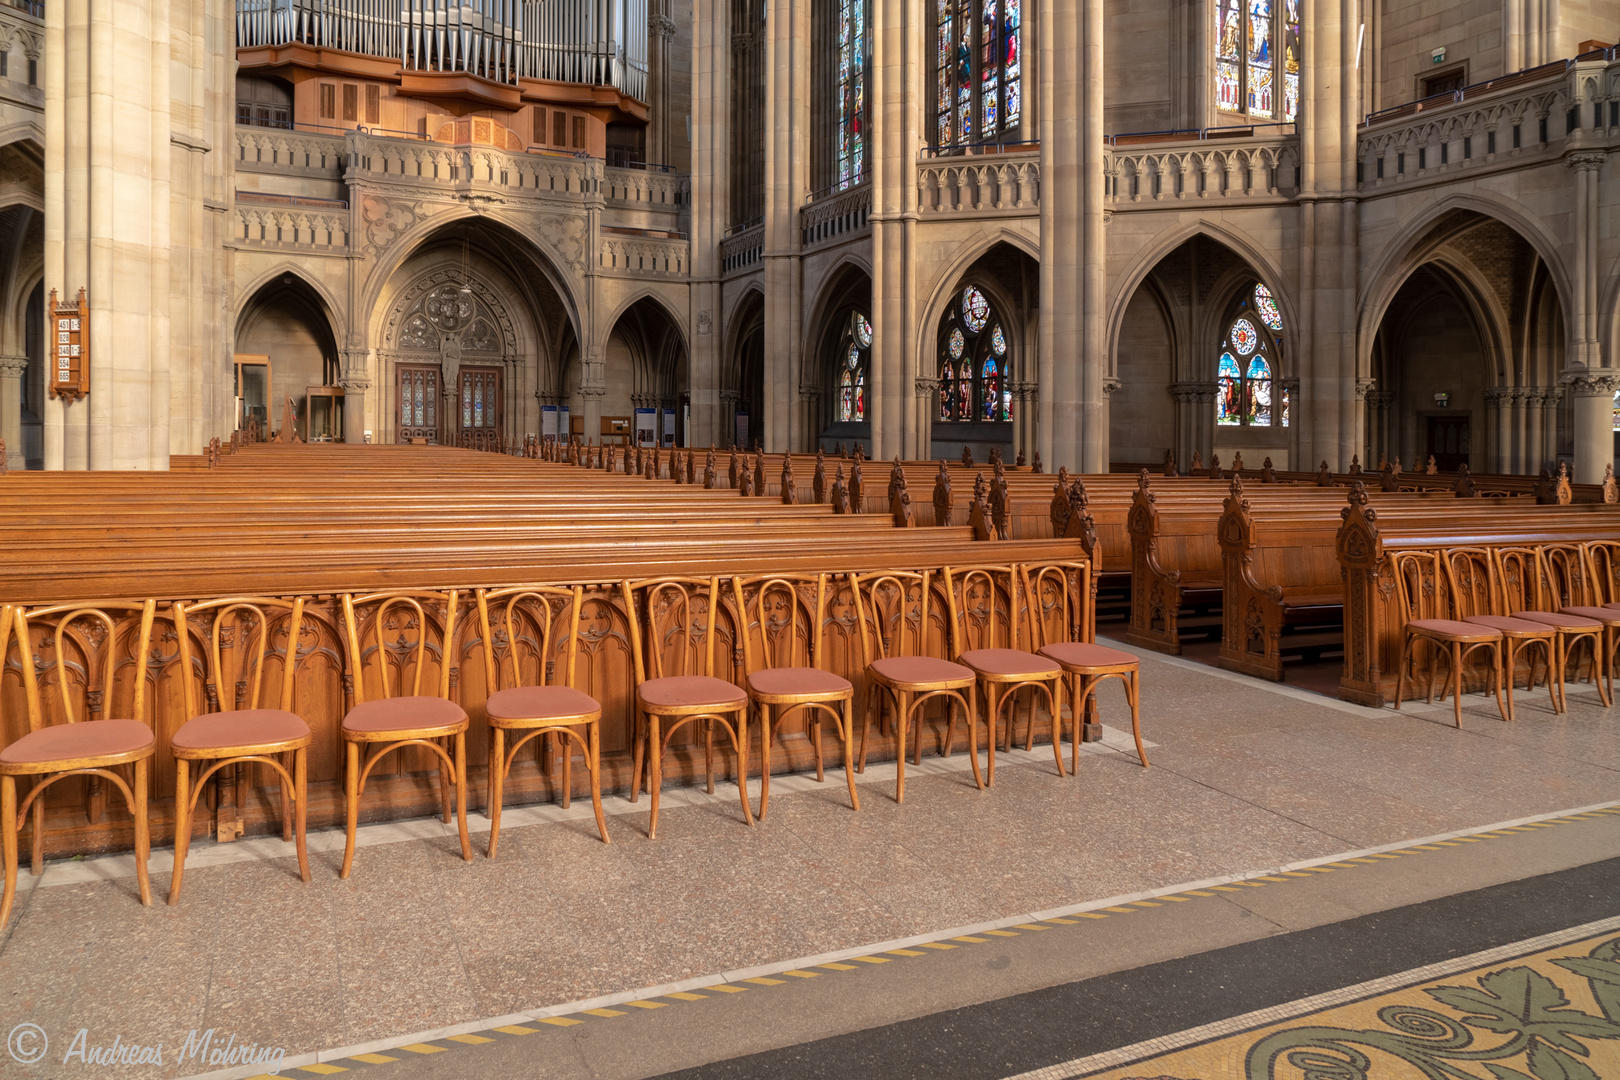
(978, 71)
(854, 352)
(1257, 58)
(1251, 391)
(974, 361)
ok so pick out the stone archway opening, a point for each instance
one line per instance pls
(838, 394)
(645, 397)
(1467, 357)
(286, 349)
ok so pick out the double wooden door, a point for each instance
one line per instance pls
(1448, 441)
(476, 412)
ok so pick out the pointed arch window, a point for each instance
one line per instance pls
(974, 360)
(978, 71)
(854, 350)
(1249, 390)
(1257, 58)
(851, 134)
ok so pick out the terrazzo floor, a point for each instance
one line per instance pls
(1245, 776)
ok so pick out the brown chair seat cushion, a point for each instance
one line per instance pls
(403, 714)
(691, 691)
(239, 727)
(920, 671)
(798, 681)
(86, 739)
(1511, 626)
(1572, 623)
(1453, 629)
(1011, 662)
(1601, 614)
(1080, 654)
(541, 703)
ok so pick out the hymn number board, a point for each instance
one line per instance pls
(70, 377)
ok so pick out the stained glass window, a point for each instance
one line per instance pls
(851, 90)
(1248, 391)
(1249, 77)
(1617, 410)
(975, 309)
(1229, 398)
(1245, 338)
(854, 350)
(974, 355)
(978, 71)
(1266, 306)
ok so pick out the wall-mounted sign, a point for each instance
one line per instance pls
(70, 346)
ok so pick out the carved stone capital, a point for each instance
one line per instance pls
(355, 384)
(592, 391)
(1195, 393)
(1594, 383)
(12, 367)
(924, 387)
(810, 393)
(1111, 386)
(1587, 162)
(1365, 387)
(661, 26)
(741, 42)
(1380, 399)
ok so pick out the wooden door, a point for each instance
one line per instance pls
(418, 398)
(479, 407)
(1448, 441)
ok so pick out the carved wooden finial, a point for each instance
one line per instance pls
(1237, 487)
(759, 472)
(967, 456)
(1063, 475)
(979, 489)
(1388, 478)
(1058, 511)
(1611, 490)
(818, 480)
(1432, 470)
(995, 455)
(5, 466)
(900, 501)
(1214, 466)
(1565, 493)
(840, 493)
(1082, 526)
(1142, 480)
(1000, 505)
(709, 476)
(790, 488)
(1463, 486)
(1268, 475)
(942, 496)
(1355, 464)
(1237, 462)
(1037, 465)
(1020, 461)
(1170, 463)
(745, 480)
(857, 488)
(731, 470)
(1324, 475)
(1197, 463)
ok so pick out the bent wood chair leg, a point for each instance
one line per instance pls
(351, 801)
(1456, 680)
(902, 721)
(566, 746)
(1496, 670)
(8, 845)
(444, 787)
(286, 802)
(1400, 671)
(594, 763)
(764, 759)
(1057, 722)
(993, 698)
(36, 837)
(655, 771)
(708, 755)
(638, 755)
(301, 809)
(816, 717)
(143, 830)
(740, 738)
(847, 735)
(182, 826)
(497, 778)
(461, 794)
(866, 728)
(1133, 689)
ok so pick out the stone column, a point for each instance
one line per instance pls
(1594, 425)
(1094, 386)
(711, 184)
(12, 369)
(592, 387)
(1378, 429)
(1583, 345)
(1061, 93)
(660, 31)
(356, 381)
(924, 390)
(787, 184)
(807, 422)
(1498, 405)
(1535, 400)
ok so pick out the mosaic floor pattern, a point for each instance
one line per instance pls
(1543, 1009)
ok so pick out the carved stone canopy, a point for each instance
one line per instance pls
(449, 316)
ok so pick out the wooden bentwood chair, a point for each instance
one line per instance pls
(1571, 575)
(986, 607)
(530, 706)
(892, 609)
(788, 628)
(1055, 612)
(392, 721)
(80, 643)
(1422, 591)
(1603, 591)
(682, 620)
(239, 640)
(1535, 582)
(1476, 597)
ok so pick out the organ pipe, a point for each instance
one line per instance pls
(596, 42)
